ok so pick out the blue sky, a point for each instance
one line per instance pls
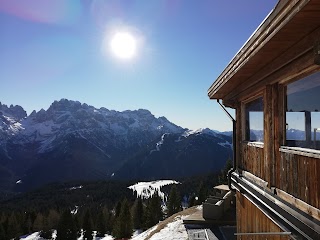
(56, 49)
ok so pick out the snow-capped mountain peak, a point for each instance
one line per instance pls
(74, 140)
(199, 131)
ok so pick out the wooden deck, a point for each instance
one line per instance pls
(196, 218)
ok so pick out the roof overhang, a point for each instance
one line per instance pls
(279, 39)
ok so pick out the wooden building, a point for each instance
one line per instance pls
(273, 83)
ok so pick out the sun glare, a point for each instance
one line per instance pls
(123, 45)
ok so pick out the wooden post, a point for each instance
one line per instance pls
(268, 135)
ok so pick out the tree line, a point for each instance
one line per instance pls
(99, 208)
(119, 221)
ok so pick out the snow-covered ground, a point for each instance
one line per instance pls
(35, 236)
(169, 229)
(147, 189)
(172, 231)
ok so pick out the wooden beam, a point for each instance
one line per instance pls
(268, 135)
(308, 209)
(301, 151)
(290, 55)
(239, 134)
(260, 182)
(282, 14)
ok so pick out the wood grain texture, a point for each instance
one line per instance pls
(250, 219)
(299, 177)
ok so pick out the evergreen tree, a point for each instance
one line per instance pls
(87, 225)
(53, 219)
(41, 224)
(101, 224)
(13, 227)
(123, 224)
(118, 209)
(174, 201)
(77, 224)
(38, 222)
(66, 228)
(192, 201)
(224, 172)
(108, 219)
(153, 213)
(202, 193)
(3, 217)
(137, 214)
(27, 224)
(46, 232)
(2, 232)
(33, 216)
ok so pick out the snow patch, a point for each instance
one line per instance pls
(187, 133)
(75, 210)
(33, 236)
(173, 231)
(36, 236)
(144, 234)
(78, 187)
(226, 144)
(146, 190)
(158, 145)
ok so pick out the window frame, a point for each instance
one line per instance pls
(245, 138)
(287, 143)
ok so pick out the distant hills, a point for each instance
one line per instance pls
(74, 141)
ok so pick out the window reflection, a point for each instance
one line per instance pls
(295, 126)
(254, 120)
(315, 125)
(302, 116)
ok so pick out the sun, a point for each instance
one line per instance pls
(123, 45)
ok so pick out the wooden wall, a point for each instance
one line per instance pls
(299, 176)
(250, 219)
(253, 160)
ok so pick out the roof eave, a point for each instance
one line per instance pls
(275, 20)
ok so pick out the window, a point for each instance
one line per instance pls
(254, 120)
(302, 112)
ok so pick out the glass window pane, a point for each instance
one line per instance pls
(256, 126)
(254, 120)
(315, 125)
(302, 116)
(295, 126)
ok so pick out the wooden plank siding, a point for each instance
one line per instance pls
(251, 220)
(253, 160)
(299, 177)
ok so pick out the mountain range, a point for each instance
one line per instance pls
(74, 141)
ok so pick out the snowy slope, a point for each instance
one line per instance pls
(35, 236)
(173, 156)
(146, 190)
(171, 228)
